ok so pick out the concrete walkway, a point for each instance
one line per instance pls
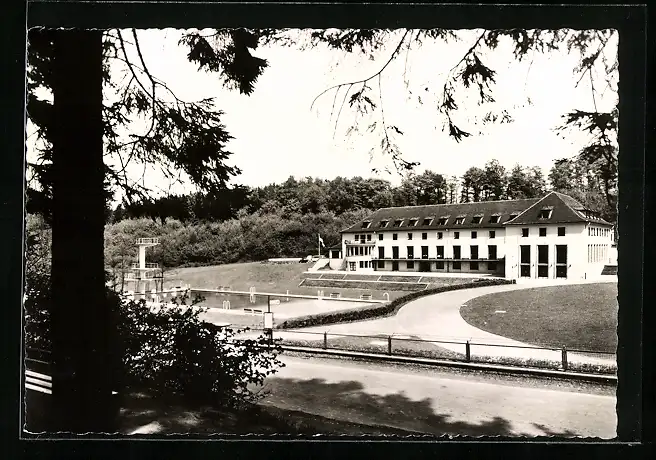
(437, 317)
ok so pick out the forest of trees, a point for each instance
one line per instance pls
(341, 195)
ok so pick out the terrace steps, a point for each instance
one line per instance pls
(363, 284)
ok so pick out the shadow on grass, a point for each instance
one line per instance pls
(315, 407)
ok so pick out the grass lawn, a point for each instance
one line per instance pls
(276, 278)
(582, 317)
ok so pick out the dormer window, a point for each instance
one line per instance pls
(427, 221)
(545, 213)
(366, 224)
(398, 222)
(383, 223)
(460, 220)
(413, 222)
(443, 220)
(477, 219)
(514, 214)
(494, 218)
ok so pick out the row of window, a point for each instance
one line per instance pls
(353, 251)
(597, 253)
(545, 213)
(598, 231)
(440, 235)
(459, 220)
(439, 265)
(542, 231)
(410, 252)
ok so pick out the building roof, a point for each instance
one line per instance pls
(483, 214)
(557, 208)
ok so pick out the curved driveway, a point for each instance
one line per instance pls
(438, 317)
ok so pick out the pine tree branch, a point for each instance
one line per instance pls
(364, 81)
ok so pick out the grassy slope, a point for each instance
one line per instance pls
(265, 278)
(577, 316)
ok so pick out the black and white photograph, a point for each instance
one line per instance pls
(389, 232)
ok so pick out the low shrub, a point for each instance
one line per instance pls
(378, 310)
(548, 364)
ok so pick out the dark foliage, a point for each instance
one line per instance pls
(169, 350)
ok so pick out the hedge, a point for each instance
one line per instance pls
(379, 310)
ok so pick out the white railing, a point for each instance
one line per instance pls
(148, 266)
(151, 275)
(358, 242)
(147, 241)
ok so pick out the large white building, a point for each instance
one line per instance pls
(550, 237)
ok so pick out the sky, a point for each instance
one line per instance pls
(277, 134)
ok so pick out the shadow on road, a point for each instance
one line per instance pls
(154, 416)
(347, 400)
(311, 407)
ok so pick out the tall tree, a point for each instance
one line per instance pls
(453, 186)
(429, 188)
(473, 184)
(74, 67)
(575, 177)
(496, 180)
(82, 324)
(525, 183)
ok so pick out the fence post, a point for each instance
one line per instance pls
(325, 340)
(389, 344)
(564, 357)
(467, 351)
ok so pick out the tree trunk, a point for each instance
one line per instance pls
(81, 319)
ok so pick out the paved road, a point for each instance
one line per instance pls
(438, 317)
(433, 402)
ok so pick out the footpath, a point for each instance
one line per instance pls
(437, 317)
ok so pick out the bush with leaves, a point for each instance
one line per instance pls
(36, 299)
(170, 350)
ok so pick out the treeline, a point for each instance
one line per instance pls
(248, 238)
(341, 195)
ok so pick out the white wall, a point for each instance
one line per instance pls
(574, 239)
(507, 240)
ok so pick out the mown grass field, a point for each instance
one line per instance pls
(580, 317)
(280, 278)
(277, 278)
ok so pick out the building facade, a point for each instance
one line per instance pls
(550, 237)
